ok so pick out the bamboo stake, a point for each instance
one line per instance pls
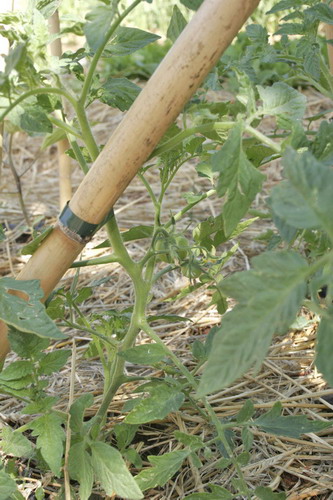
(64, 161)
(178, 76)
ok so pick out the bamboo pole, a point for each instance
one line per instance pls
(64, 161)
(329, 36)
(178, 76)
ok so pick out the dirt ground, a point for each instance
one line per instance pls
(301, 467)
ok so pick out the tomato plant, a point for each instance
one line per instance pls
(225, 141)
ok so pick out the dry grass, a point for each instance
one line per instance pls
(300, 467)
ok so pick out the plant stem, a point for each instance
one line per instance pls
(65, 126)
(86, 131)
(188, 207)
(263, 138)
(99, 51)
(78, 155)
(107, 259)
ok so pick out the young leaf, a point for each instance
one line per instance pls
(147, 354)
(26, 315)
(119, 93)
(239, 181)
(282, 100)
(55, 136)
(246, 412)
(50, 438)
(7, 485)
(265, 493)
(162, 400)
(31, 247)
(53, 361)
(164, 467)
(128, 40)
(81, 469)
(274, 423)
(177, 24)
(14, 443)
(324, 349)
(269, 297)
(97, 25)
(77, 411)
(112, 473)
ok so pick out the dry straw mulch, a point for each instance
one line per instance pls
(300, 467)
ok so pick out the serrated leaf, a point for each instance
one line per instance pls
(31, 118)
(119, 93)
(7, 485)
(192, 442)
(176, 25)
(246, 412)
(112, 473)
(281, 100)
(162, 400)
(257, 33)
(26, 344)
(97, 25)
(239, 181)
(324, 349)
(14, 443)
(50, 438)
(26, 315)
(269, 297)
(265, 493)
(291, 29)
(31, 247)
(274, 423)
(77, 410)
(128, 40)
(53, 361)
(164, 467)
(322, 12)
(81, 469)
(16, 370)
(147, 354)
(305, 200)
(41, 405)
(283, 5)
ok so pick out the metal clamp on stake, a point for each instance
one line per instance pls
(77, 229)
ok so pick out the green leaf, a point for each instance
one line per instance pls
(97, 25)
(192, 4)
(247, 438)
(31, 118)
(50, 438)
(305, 200)
(322, 12)
(309, 52)
(269, 297)
(47, 7)
(124, 434)
(14, 58)
(2, 234)
(265, 493)
(246, 412)
(176, 25)
(281, 100)
(26, 344)
(31, 247)
(128, 40)
(112, 473)
(198, 350)
(164, 467)
(162, 400)
(147, 354)
(81, 469)
(53, 361)
(119, 93)
(7, 486)
(239, 181)
(218, 493)
(16, 370)
(324, 349)
(190, 441)
(14, 443)
(274, 423)
(257, 33)
(41, 405)
(284, 5)
(77, 410)
(26, 315)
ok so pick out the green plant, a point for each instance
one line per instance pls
(229, 148)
